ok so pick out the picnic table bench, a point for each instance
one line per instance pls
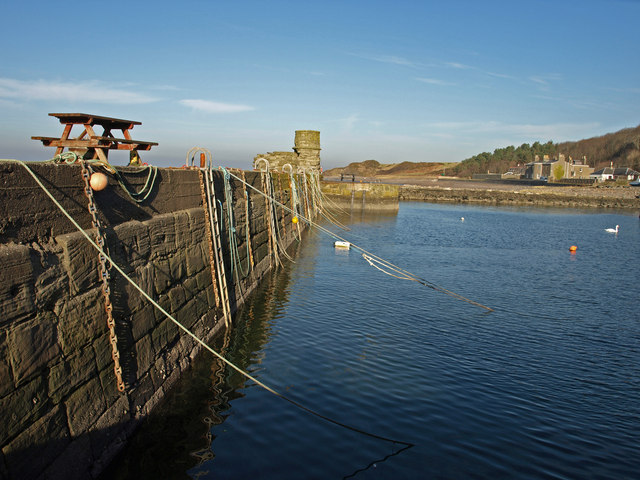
(88, 144)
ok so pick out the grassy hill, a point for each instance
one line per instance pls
(622, 149)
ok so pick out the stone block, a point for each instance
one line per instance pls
(6, 376)
(38, 446)
(140, 395)
(177, 265)
(162, 280)
(74, 462)
(144, 354)
(51, 285)
(162, 235)
(197, 227)
(188, 313)
(177, 298)
(74, 370)
(81, 319)
(21, 407)
(102, 350)
(158, 373)
(110, 428)
(109, 384)
(84, 406)
(143, 321)
(184, 235)
(80, 261)
(134, 237)
(16, 283)
(195, 259)
(32, 345)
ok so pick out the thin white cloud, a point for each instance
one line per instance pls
(459, 66)
(350, 121)
(434, 81)
(91, 91)
(392, 59)
(555, 131)
(215, 107)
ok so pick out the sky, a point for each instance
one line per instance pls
(394, 81)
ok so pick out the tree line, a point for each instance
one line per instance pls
(622, 149)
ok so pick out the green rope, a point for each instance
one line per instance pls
(188, 332)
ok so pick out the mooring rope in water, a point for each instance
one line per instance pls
(376, 259)
(191, 334)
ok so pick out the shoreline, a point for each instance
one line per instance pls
(454, 190)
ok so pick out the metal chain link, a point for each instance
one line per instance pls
(104, 273)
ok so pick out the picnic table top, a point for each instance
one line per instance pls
(88, 119)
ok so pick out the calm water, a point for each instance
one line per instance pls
(547, 386)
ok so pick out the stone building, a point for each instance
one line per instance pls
(306, 154)
(557, 168)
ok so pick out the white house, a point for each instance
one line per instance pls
(615, 173)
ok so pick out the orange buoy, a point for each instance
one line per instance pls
(573, 248)
(294, 219)
(98, 181)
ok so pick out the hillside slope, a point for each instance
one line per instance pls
(620, 149)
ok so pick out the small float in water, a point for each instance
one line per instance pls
(341, 244)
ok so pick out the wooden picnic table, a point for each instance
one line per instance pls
(88, 144)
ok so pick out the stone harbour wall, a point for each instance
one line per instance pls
(62, 413)
(361, 196)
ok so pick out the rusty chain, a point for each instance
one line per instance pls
(104, 272)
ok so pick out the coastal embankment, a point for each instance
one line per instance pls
(513, 193)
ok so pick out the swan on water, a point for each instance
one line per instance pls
(612, 230)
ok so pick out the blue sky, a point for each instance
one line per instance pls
(387, 80)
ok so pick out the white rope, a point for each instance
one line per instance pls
(185, 329)
(372, 256)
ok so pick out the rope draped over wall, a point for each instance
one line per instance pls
(144, 294)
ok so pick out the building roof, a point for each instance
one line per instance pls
(616, 171)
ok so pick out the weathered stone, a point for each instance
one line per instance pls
(177, 298)
(49, 285)
(195, 260)
(84, 407)
(6, 377)
(162, 280)
(26, 404)
(74, 462)
(162, 235)
(184, 235)
(81, 319)
(32, 345)
(71, 372)
(109, 383)
(38, 446)
(102, 350)
(16, 283)
(142, 321)
(80, 260)
(144, 354)
(140, 395)
(110, 427)
(177, 266)
(134, 237)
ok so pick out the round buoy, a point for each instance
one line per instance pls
(294, 219)
(573, 248)
(98, 181)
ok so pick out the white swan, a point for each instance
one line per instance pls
(612, 230)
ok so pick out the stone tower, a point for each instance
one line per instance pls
(306, 154)
(307, 146)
